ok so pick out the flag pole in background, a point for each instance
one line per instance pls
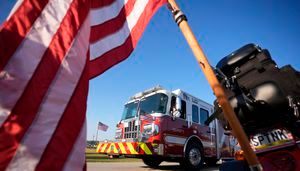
(238, 131)
(97, 131)
(101, 126)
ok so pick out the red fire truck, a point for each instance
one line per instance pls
(160, 125)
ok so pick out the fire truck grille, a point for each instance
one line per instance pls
(131, 131)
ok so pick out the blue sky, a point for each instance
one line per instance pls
(163, 57)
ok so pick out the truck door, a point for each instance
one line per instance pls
(175, 135)
(201, 130)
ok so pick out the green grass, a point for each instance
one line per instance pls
(92, 156)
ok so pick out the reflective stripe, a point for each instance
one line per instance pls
(108, 149)
(125, 148)
(98, 147)
(145, 148)
(175, 140)
(131, 148)
(122, 148)
(103, 148)
(114, 148)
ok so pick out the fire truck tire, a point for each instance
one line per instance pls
(152, 161)
(194, 157)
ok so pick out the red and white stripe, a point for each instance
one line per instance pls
(76, 159)
(124, 26)
(40, 81)
(29, 53)
(45, 69)
(54, 102)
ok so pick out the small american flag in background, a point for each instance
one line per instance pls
(102, 126)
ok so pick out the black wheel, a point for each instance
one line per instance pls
(211, 161)
(194, 158)
(152, 161)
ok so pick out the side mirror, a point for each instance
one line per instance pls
(177, 112)
(178, 104)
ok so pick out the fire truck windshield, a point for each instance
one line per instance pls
(156, 103)
(130, 110)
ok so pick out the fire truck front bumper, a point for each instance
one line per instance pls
(130, 148)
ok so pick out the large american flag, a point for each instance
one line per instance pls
(45, 46)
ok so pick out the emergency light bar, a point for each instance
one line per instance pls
(143, 93)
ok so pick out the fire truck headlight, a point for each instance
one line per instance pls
(155, 129)
(151, 129)
(118, 134)
(148, 129)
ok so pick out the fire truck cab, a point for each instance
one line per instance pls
(160, 125)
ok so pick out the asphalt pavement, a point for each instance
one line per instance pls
(138, 166)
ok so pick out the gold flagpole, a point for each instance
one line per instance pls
(237, 129)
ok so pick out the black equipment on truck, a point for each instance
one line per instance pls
(260, 93)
